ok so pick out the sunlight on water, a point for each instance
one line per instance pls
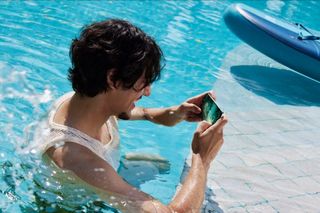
(275, 6)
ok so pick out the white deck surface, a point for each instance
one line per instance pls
(270, 161)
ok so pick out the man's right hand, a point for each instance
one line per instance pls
(208, 139)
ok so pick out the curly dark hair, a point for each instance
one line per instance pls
(112, 45)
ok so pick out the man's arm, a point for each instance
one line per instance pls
(97, 173)
(165, 116)
(102, 178)
(190, 110)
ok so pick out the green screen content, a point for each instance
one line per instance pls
(210, 110)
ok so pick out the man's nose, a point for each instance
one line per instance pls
(147, 90)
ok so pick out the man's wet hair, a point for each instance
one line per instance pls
(112, 45)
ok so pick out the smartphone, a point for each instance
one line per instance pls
(210, 110)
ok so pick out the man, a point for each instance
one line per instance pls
(113, 65)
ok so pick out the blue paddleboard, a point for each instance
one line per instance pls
(291, 44)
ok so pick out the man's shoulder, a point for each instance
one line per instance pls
(70, 153)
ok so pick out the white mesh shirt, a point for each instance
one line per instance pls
(58, 134)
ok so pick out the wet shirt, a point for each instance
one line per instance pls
(57, 134)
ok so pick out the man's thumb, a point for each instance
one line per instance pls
(202, 126)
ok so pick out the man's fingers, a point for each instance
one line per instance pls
(213, 94)
(196, 109)
(197, 99)
(218, 126)
(221, 123)
(194, 119)
(193, 108)
(202, 126)
(200, 95)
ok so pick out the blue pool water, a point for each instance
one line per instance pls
(34, 42)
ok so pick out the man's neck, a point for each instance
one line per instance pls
(88, 114)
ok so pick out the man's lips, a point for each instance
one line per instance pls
(132, 106)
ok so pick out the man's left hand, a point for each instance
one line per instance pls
(190, 110)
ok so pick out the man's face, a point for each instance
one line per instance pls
(133, 95)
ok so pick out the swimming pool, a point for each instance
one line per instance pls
(34, 41)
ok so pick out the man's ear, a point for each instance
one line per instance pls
(110, 79)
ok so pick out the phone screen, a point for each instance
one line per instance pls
(210, 110)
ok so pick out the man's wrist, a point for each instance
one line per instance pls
(200, 163)
(174, 112)
(146, 115)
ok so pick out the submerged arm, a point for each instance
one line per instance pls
(101, 177)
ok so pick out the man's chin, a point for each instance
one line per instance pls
(124, 116)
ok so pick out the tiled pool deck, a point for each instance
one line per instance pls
(270, 161)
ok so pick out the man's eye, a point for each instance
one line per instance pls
(138, 89)
(143, 86)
